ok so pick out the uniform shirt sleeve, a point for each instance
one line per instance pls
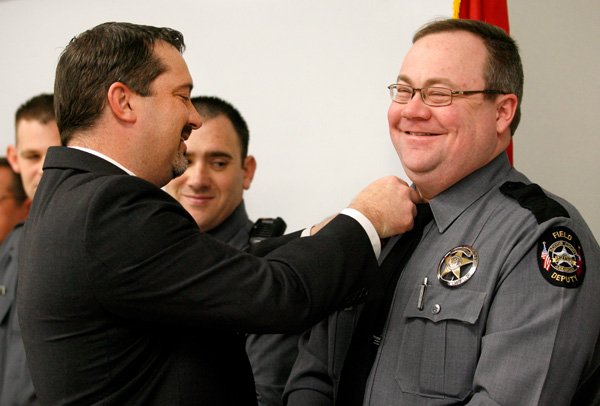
(321, 354)
(535, 349)
(309, 382)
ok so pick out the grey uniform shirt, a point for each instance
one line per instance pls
(16, 387)
(235, 230)
(271, 355)
(507, 336)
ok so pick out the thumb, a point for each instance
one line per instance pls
(416, 197)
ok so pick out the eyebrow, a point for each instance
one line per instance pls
(28, 151)
(186, 86)
(428, 82)
(213, 154)
(219, 154)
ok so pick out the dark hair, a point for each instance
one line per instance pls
(16, 185)
(211, 107)
(504, 70)
(39, 108)
(95, 59)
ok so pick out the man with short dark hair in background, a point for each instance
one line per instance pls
(212, 191)
(35, 131)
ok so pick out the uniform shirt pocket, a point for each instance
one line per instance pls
(440, 344)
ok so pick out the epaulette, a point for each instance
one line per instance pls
(533, 198)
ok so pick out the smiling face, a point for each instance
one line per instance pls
(167, 118)
(438, 146)
(27, 156)
(213, 185)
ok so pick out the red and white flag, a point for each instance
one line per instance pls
(494, 12)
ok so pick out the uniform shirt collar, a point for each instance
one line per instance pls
(232, 225)
(449, 204)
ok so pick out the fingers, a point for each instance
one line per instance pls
(390, 204)
(416, 197)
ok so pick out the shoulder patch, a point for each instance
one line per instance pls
(533, 198)
(560, 257)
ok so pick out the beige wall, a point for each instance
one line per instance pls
(310, 77)
(558, 142)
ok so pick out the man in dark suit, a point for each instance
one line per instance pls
(122, 299)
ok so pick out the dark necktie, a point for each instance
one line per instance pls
(367, 335)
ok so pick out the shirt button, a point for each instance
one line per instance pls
(436, 309)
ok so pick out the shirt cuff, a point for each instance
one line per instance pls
(367, 226)
(306, 232)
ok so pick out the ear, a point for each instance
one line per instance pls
(249, 169)
(506, 107)
(27, 204)
(12, 157)
(119, 101)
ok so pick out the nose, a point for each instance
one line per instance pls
(415, 107)
(199, 176)
(194, 119)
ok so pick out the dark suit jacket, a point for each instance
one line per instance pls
(123, 301)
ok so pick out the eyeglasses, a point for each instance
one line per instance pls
(432, 96)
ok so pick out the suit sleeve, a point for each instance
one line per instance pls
(270, 244)
(157, 266)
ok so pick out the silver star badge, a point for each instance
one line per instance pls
(458, 265)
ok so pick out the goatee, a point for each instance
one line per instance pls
(180, 164)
